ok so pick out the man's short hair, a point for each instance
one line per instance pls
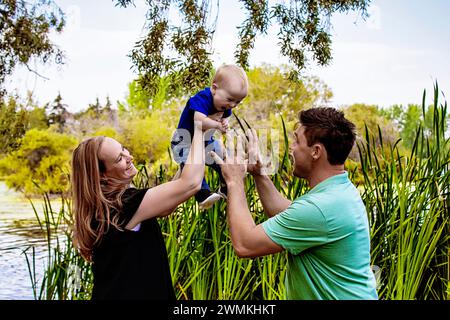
(329, 127)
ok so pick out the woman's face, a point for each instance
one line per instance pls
(117, 160)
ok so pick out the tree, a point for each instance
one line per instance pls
(16, 118)
(271, 93)
(370, 117)
(95, 109)
(13, 124)
(303, 35)
(137, 101)
(37, 118)
(409, 119)
(147, 137)
(42, 158)
(58, 114)
(25, 29)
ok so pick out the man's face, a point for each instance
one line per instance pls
(301, 153)
(229, 93)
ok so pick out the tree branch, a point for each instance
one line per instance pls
(36, 73)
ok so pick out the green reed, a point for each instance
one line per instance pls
(67, 275)
(407, 198)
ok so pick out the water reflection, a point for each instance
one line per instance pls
(19, 232)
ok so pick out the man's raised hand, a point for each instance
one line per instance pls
(255, 165)
(234, 162)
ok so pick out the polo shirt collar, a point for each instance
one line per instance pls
(334, 180)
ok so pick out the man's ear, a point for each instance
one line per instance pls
(317, 151)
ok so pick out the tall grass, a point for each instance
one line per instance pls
(67, 275)
(407, 197)
(407, 200)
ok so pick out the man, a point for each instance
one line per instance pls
(325, 231)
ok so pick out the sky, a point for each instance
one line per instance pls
(390, 58)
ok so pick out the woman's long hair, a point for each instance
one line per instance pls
(94, 196)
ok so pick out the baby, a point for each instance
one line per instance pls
(212, 107)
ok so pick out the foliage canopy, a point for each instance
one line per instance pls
(25, 29)
(303, 35)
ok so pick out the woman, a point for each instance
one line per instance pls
(115, 224)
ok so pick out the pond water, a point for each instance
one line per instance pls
(19, 232)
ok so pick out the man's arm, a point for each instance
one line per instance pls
(272, 200)
(163, 199)
(249, 240)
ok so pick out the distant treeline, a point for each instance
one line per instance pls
(36, 141)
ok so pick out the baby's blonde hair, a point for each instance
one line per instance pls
(227, 69)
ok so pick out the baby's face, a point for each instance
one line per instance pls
(228, 94)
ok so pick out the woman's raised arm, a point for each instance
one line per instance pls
(164, 198)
